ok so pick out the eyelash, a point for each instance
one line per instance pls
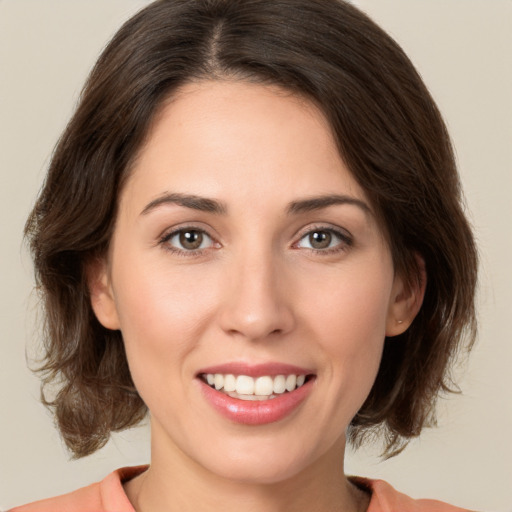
(167, 237)
(345, 241)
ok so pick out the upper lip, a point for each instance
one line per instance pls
(255, 370)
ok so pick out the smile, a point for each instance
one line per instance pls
(256, 394)
(244, 387)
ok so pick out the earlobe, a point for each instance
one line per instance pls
(406, 301)
(101, 293)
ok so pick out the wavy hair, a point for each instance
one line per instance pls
(389, 133)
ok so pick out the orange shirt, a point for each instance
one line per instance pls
(109, 496)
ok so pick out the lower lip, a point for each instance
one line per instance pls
(258, 412)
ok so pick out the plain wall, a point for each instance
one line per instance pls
(463, 50)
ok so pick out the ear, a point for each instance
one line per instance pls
(406, 300)
(101, 293)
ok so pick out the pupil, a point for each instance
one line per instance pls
(320, 239)
(191, 239)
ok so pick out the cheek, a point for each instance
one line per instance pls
(353, 305)
(162, 313)
(349, 316)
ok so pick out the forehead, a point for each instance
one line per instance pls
(220, 138)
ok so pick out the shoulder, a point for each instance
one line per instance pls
(105, 496)
(384, 498)
(77, 501)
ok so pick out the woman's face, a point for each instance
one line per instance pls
(245, 254)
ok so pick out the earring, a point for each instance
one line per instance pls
(399, 321)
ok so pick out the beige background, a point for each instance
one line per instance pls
(463, 48)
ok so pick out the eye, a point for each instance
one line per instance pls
(326, 240)
(187, 240)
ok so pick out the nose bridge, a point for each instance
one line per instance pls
(257, 305)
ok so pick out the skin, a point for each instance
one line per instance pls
(257, 291)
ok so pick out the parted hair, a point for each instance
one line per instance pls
(389, 133)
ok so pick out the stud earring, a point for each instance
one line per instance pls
(399, 321)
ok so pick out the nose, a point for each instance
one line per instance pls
(257, 302)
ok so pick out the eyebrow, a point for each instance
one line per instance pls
(205, 204)
(188, 201)
(321, 202)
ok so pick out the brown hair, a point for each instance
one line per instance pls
(389, 133)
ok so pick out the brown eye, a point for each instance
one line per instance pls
(325, 240)
(187, 240)
(190, 239)
(320, 239)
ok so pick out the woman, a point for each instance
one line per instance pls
(252, 229)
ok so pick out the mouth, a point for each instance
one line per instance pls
(256, 394)
(263, 387)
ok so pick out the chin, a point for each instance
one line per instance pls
(258, 470)
(263, 461)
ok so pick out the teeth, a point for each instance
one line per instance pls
(244, 385)
(249, 388)
(291, 382)
(219, 381)
(251, 398)
(279, 384)
(229, 383)
(263, 386)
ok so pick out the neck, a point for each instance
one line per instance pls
(175, 483)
